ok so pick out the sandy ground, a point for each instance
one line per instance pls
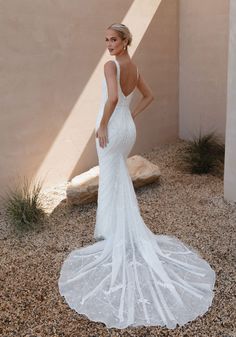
(190, 207)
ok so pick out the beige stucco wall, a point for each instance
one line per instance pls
(158, 57)
(230, 153)
(50, 82)
(203, 66)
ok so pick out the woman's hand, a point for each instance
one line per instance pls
(102, 135)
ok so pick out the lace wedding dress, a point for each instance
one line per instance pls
(130, 276)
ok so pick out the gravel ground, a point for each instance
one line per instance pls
(190, 207)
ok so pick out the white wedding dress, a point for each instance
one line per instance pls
(130, 276)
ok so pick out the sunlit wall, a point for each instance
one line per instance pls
(51, 63)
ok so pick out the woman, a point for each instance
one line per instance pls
(130, 277)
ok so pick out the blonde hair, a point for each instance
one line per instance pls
(123, 31)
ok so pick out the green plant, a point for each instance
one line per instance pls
(204, 154)
(23, 206)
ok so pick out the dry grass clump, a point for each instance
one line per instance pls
(204, 154)
(23, 206)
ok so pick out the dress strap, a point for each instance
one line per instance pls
(118, 69)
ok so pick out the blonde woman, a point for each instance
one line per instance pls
(130, 277)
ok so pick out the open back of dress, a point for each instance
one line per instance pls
(131, 277)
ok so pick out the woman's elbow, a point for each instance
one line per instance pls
(149, 96)
(113, 100)
(152, 97)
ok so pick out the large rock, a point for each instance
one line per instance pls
(83, 188)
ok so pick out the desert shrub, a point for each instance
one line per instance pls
(204, 154)
(23, 205)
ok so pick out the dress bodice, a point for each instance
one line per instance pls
(121, 114)
(122, 99)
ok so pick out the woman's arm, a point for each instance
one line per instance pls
(112, 99)
(147, 97)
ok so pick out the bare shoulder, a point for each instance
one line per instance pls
(110, 67)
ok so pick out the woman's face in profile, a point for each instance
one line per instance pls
(114, 43)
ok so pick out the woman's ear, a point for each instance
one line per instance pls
(126, 42)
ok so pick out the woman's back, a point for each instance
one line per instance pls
(128, 77)
(121, 116)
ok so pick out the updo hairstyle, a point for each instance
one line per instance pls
(123, 32)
